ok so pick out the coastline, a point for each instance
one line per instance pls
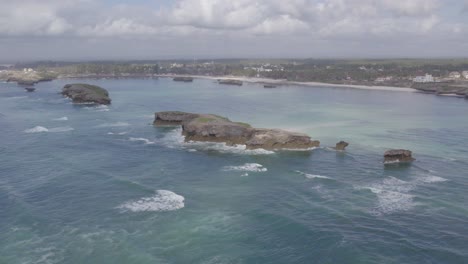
(285, 82)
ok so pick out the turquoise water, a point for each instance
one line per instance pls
(84, 184)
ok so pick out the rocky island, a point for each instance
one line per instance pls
(231, 82)
(398, 156)
(182, 79)
(86, 93)
(214, 128)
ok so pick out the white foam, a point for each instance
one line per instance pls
(118, 133)
(250, 167)
(61, 119)
(245, 175)
(431, 179)
(41, 129)
(37, 129)
(163, 201)
(145, 140)
(313, 176)
(116, 124)
(98, 108)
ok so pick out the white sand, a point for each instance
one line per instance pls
(285, 82)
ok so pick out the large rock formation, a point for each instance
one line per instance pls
(341, 146)
(86, 93)
(213, 128)
(398, 156)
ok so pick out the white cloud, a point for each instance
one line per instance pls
(237, 20)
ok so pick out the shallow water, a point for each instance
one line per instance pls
(85, 184)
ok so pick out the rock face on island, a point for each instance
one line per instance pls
(398, 156)
(341, 146)
(213, 128)
(231, 82)
(182, 79)
(86, 93)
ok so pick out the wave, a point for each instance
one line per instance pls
(250, 167)
(146, 141)
(98, 108)
(61, 119)
(116, 124)
(117, 133)
(313, 176)
(163, 200)
(41, 129)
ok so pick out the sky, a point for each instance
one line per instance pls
(197, 29)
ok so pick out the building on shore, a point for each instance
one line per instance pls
(428, 78)
(465, 74)
(454, 75)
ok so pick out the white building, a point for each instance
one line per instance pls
(465, 74)
(428, 78)
(455, 75)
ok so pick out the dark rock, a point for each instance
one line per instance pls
(172, 118)
(341, 146)
(398, 156)
(213, 128)
(86, 93)
(183, 79)
(30, 89)
(231, 82)
(269, 86)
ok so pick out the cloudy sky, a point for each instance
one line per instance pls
(158, 29)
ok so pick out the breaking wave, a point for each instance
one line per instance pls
(61, 119)
(249, 167)
(98, 108)
(145, 140)
(41, 129)
(312, 176)
(163, 200)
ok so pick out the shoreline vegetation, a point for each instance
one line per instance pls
(444, 77)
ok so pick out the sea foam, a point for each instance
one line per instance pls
(312, 176)
(145, 140)
(41, 129)
(61, 119)
(250, 167)
(163, 200)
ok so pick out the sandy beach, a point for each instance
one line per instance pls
(285, 82)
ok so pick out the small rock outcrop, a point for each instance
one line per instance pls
(398, 156)
(269, 86)
(86, 93)
(214, 128)
(231, 82)
(182, 79)
(341, 146)
(30, 89)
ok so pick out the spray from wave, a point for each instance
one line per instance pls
(163, 200)
(41, 129)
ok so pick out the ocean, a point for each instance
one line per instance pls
(101, 184)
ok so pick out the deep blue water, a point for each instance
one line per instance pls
(84, 184)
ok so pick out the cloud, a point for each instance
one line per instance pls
(303, 21)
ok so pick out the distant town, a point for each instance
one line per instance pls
(441, 76)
